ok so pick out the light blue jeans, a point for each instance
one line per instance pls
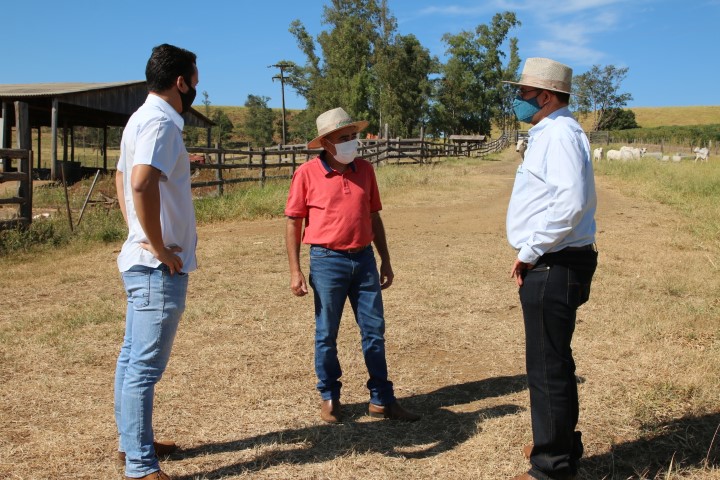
(155, 303)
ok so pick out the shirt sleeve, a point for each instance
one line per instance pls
(155, 145)
(564, 179)
(373, 191)
(296, 205)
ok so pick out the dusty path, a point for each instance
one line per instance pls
(239, 392)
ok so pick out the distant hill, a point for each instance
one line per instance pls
(648, 117)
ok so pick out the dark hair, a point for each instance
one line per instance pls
(166, 63)
(563, 97)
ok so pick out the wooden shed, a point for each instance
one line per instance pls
(62, 106)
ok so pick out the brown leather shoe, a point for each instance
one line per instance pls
(330, 411)
(163, 448)
(392, 412)
(159, 475)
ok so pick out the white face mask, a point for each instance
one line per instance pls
(346, 152)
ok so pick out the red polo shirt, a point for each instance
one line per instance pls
(336, 206)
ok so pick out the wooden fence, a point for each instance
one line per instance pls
(236, 166)
(23, 195)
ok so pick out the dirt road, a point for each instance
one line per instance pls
(239, 393)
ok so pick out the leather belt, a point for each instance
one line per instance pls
(584, 248)
(349, 250)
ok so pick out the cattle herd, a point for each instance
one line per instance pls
(634, 153)
(627, 153)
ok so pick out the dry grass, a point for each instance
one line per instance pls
(239, 392)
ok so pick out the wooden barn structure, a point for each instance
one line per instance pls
(62, 106)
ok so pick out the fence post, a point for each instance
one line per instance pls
(293, 161)
(262, 167)
(422, 144)
(219, 170)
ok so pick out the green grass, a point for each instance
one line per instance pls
(691, 188)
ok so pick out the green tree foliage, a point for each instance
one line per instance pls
(618, 119)
(223, 128)
(404, 75)
(598, 94)
(363, 67)
(259, 121)
(470, 93)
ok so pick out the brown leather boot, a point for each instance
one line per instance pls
(330, 411)
(392, 412)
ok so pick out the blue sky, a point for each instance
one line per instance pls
(669, 46)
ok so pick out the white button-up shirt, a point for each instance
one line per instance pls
(553, 200)
(153, 136)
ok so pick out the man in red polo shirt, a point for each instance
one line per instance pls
(337, 197)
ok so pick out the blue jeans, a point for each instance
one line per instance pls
(155, 303)
(550, 295)
(335, 277)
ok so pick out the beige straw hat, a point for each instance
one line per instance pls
(332, 121)
(546, 74)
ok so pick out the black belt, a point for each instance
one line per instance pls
(584, 248)
(349, 250)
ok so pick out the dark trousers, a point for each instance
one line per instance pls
(550, 295)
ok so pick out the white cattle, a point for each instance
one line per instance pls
(521, 146)
(617, 155)
(635, 152)
(665, 158)
(677, 157)
(701, 154)
(597, 154)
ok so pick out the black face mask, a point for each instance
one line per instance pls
(188, 97)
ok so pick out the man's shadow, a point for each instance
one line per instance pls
(438, 431)
(687, 442)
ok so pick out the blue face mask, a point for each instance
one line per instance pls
(525, 110)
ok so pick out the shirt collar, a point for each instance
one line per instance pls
(167, 109)
(560, 112)
(328, 169)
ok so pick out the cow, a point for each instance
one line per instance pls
(597, 154)
(619, 155)
(521, 146)
(701, 154)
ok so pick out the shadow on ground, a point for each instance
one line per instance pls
(440, 430)
(684, 443)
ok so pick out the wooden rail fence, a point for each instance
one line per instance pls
(236, 166)
(23, 194)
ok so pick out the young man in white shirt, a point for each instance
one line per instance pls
(153, 188)
(551, 224)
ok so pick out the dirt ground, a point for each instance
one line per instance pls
(239, 397)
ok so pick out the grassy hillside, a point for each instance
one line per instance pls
(648, 117)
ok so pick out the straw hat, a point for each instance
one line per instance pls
(332, 121)
(546, 74)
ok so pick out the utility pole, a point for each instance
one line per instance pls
(282, 66)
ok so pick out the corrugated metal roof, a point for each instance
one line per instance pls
(55, 89)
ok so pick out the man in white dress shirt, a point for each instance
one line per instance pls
(153, 187)
(550, 222)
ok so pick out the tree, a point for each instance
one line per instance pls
(598, 94)
(363, 67)
(404, 73)
(618, 119)
(223, 126)
(470, 93)
(259, 120)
